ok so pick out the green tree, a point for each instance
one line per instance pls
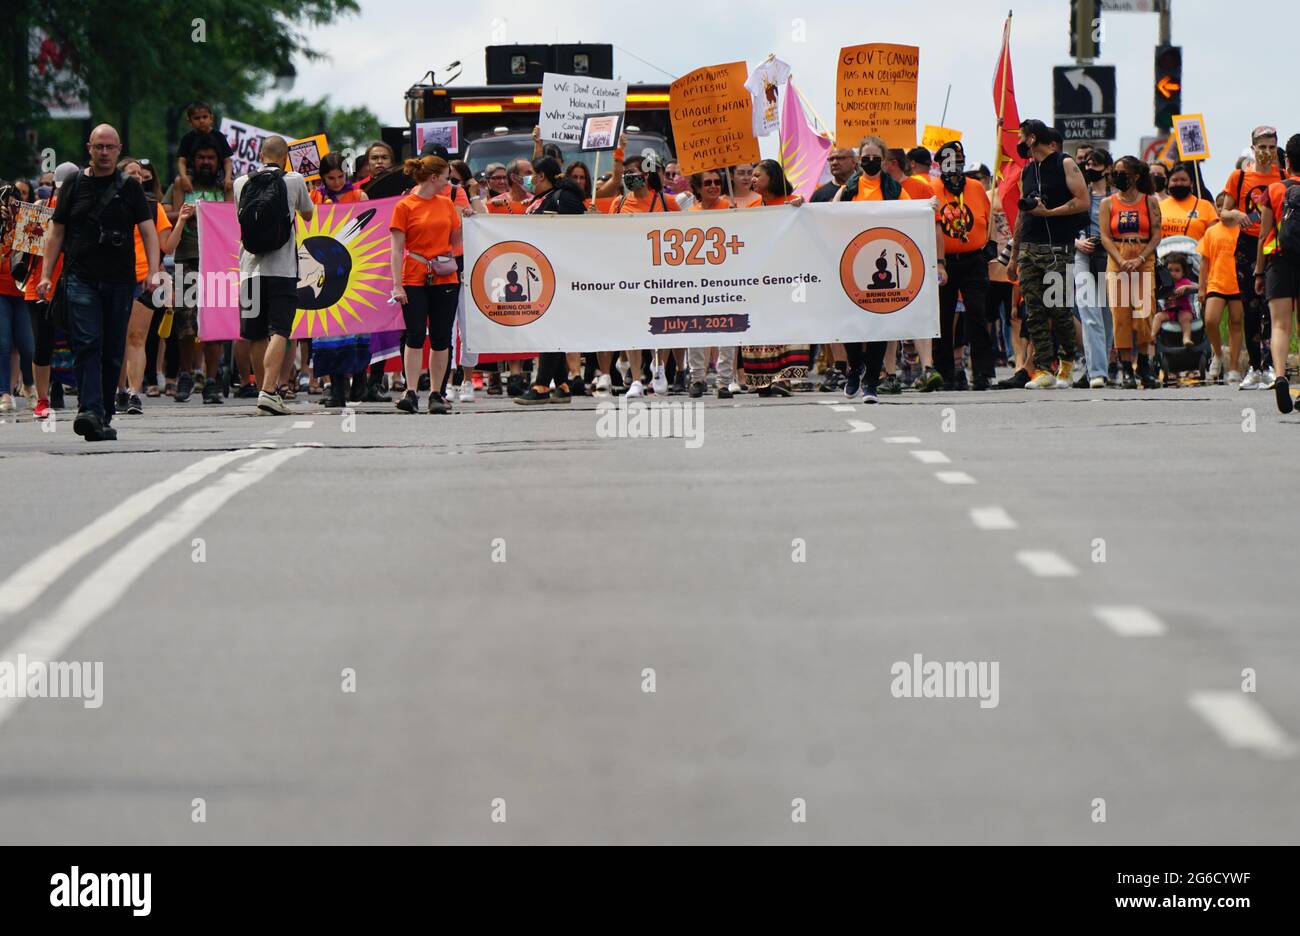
(346, 128)
(143, 61)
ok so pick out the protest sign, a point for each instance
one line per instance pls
(246, 144)
(875, 94)
(305, 156)
(713, 118)
(567, 99)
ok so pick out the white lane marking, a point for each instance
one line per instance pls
(930, 457)
(1242, 722)
(1045, 564)
(829, 402)
(30, 580)
(278, 430)
(303, 424)
(843, 408)
(49, 637)
(992, 518)
(902, 440)
(954, 477)
(308, 445)
(265, 445)
(1130, 620)
(858, 425)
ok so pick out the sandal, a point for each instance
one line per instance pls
(170, 389)
(287, 393)
(152, 391)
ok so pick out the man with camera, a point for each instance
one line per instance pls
(96, 214)
(1052, 196)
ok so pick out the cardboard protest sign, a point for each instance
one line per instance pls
(875, 94)
(246, 144)
(567, 99)
(713, 118)
(934, 137)
(31, 221)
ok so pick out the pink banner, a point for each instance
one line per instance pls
(344, 279)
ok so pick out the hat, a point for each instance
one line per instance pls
(65, 171)
(434, 148)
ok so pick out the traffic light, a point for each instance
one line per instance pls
(1169, 85)
(1085, 36)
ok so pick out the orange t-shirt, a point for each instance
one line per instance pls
(869, 190)
(511, 207)
(1130, 219)
(648, 202)
(1253, 189)
(777, 199)
(752, 200)
(428, 224)
(722, 203)
(1219, 248)
(963, 218)
(919, 186)
(1176, 219)
(347, 198)
(161, 223)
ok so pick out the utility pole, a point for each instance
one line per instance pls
(1165, 29)
(1085, 26)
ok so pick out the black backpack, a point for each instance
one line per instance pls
(1288, 226)
(264, 222)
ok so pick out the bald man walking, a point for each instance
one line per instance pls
(93, 226)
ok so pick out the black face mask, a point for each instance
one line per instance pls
(1022, 150)
(1179, 192)
(954, 182)
(1158, 182)
(1094, 175)
(871, 165)
(1123, 181)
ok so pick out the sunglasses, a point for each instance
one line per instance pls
(711, 183)
(496, 178)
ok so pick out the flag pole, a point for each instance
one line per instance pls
(1002, 106)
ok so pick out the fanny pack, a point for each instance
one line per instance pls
(441, 265)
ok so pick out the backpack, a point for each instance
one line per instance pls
(1288, 225)
(264, 223)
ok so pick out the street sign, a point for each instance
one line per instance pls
(1128, 6)
(1085, 101)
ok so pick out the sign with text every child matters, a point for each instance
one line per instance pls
(713, 118)
(567, 99)
(875, 94)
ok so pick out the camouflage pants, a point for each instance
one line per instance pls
(1048, 314)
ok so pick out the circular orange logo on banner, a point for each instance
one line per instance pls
(512, 283)
(882, 270)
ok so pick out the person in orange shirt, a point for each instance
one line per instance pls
(516, 198)
(1277, 271)
(425, 230)
(742, 187)
(47, 397)
(334, 186)
(1219, 290)
(920, 183)
(644, 193)
(1247, 191)
(1129, 222)
(871, 183)
(1182, 212)
(707, 189)
(130, 381)
(962, 211)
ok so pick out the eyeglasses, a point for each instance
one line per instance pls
(711, 183)
(106, 147)
(496, 178)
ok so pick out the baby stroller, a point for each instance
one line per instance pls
(1173, 357)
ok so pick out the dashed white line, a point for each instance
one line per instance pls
(31, 579)
(954, 477)
(303, 424)
(992, 518)
(930, 457)
(902, 440)
(1130, 620)
(843, 408)
(49, 637)
(829, 402)
(1045, 564)
(263, 445)
(858, 425)
(1242, 722)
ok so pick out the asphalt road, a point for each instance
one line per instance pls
(961, 527)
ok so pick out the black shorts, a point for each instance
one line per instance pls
(267, 305)
(1281, 279)
(430, 310)
(1235, 297)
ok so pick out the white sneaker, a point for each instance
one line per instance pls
(1097, 383)
(1045, 380)
(603, 385)
(1215, 371)
(1232, 377)
(735, 387)
(6, 403)
(625, 369)
(270, 404)
(466, 394)
(1266, 380)
(636, 390)
(659, 383)
(1251, 381)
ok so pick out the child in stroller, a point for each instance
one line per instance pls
(1178, 304)
(1181, 343)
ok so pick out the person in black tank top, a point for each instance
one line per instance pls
(1054, 207)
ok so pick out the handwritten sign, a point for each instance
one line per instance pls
(934, 137)
(713, 118)
(567, 100)
(30, 223)
(875, 94)
(246, 144)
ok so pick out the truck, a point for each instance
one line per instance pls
(496, 120)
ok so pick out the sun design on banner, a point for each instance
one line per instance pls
(341, 265)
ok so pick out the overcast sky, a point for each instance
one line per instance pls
(376, 56)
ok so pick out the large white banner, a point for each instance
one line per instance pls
(862, 271)
(566, 99)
